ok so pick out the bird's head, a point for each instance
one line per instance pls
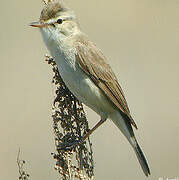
(56, 21)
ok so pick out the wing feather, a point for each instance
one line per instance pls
(92, 61)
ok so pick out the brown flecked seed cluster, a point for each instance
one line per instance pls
(74, 159)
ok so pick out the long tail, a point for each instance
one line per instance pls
(142, 160)
(124, 125)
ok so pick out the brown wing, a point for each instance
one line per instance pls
(93, 63)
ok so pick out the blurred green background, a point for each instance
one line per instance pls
(140, 38)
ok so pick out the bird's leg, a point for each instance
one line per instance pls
(93, 129)
(75, 143)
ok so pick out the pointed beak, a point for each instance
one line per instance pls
(38, 24)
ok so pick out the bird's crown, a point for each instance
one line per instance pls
(52, 9)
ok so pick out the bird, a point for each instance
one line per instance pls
(85, 71)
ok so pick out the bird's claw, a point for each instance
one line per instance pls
(70, 145)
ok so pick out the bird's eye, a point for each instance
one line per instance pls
(59, 21)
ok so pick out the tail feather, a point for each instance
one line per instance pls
(142, 160)
(123, 123)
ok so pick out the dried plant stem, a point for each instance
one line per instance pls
(73, 160)
(23, 175)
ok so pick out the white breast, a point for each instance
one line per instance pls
(76, 80)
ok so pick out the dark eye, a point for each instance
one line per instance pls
(59, 21)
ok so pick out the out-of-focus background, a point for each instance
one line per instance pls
(140, 38)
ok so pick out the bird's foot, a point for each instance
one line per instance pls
(70, 145)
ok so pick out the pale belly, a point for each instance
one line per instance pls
(78, 82)
(84, 88)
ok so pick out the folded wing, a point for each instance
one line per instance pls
(92, 61)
